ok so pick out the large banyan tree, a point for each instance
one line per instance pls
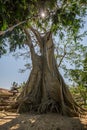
(45, 90)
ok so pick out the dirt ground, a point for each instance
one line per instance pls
(50, 121)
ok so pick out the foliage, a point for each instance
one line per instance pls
(61, 17)
(17, 87)
(14, 86)
(80, 75)
(21, 86)
(80, 95)
(70, 51)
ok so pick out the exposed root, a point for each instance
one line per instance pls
(50, 106)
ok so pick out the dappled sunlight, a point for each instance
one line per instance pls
(7, 117)
(32, 120)
(84, 121)
(14, 121)
(2, 122)
(15, 127)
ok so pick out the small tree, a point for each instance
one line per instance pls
(14, 86)
(21, 87)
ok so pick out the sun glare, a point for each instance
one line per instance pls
(43, 14)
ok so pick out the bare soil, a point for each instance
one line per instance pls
(50, 121)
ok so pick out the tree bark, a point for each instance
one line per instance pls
(45, 90)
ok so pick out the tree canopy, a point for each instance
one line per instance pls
(64, 17)
(61, 14)
(80, 75)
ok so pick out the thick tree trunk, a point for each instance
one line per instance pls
(45, 90)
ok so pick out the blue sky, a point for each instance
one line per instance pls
(9, 68)
(9, 71)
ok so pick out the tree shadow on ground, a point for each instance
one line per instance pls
(51, 121)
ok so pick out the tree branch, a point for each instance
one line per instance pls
(29, 43)
(62, 56)
(38, 36)
(16, 25)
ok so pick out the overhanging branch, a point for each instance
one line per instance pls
(16, 25)
(29, 43)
